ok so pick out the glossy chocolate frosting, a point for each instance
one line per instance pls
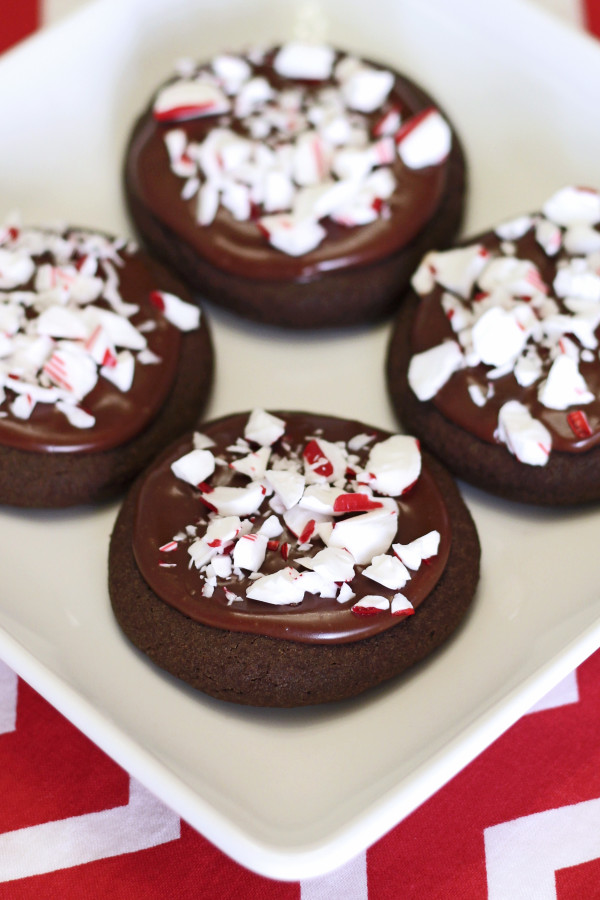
(238, 247)
(431, 326)
(119, 415)
(166, 505)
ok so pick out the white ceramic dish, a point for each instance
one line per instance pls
(294, 794)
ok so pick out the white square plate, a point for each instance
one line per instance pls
(292, 794)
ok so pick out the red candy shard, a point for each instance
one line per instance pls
(156, 299)
(167, 548)
(182, 112)
(307, 532)
(365, 610)
(355, 503)
(579, 424)
(412, 123)
(403, 612)
(316, 459)
(285, 550)
(109, 359)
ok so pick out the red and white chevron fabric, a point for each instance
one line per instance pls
(522, 822)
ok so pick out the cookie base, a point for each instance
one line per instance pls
(263, 671)
(566, 479)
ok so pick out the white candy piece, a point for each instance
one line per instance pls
(311, 159)
(233, 501)
(582, 240)
(222, 530)
(514, 229)
(459, 316)
(61, 322)
(72, 369)
(527, 369)
(249, 552)
(232, 70)
(189, 100)
(519, 277)
(401, 606)
(78, 417)
(549, 236)
(564, 385)
(345, 593)
(367, 89)
(208, 203)
(367, 534)
(298, 59)
(303, 522)
(291, 235)
(100, 347)
(254, 465)
(16, 268)
(413, 554)
(22, 406)
(184, 316)
(526, 438)
(120, 373)
(263, 428)
(222, 566)
(271, 527)
(429, 370)
(200, 553)
(279, 589)
(394, 465)
(573, 206)
(388, 571)
(427, 142)
(194, 467)
(324, 461)
(332, 564)
(120, 331)
(371, 603)
(320, 498)
(456, 270)
(576, 280)
(287, 484)
(202, 441)
(498, 336)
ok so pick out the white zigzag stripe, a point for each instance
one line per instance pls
(8, 699)
(523, 855)
(565, 692)
(349, 882)
(143, 822)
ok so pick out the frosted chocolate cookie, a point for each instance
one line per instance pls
(103, 362)
(298, 186)
(494, 362)
(291, 559)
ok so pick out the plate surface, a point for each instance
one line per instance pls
(292, 794)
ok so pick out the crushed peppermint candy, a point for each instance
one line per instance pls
(523, 338)
(301, 135)
(64, 326)
(321, 519)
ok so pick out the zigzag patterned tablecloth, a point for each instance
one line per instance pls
(521, 822)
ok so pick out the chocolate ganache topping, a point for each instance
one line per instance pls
(89, 345)
(302, 527)
(506, 335)
(284, 163)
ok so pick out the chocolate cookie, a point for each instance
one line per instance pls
(104, 360)
(298, 186)
(291, 559)
(494, 363)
